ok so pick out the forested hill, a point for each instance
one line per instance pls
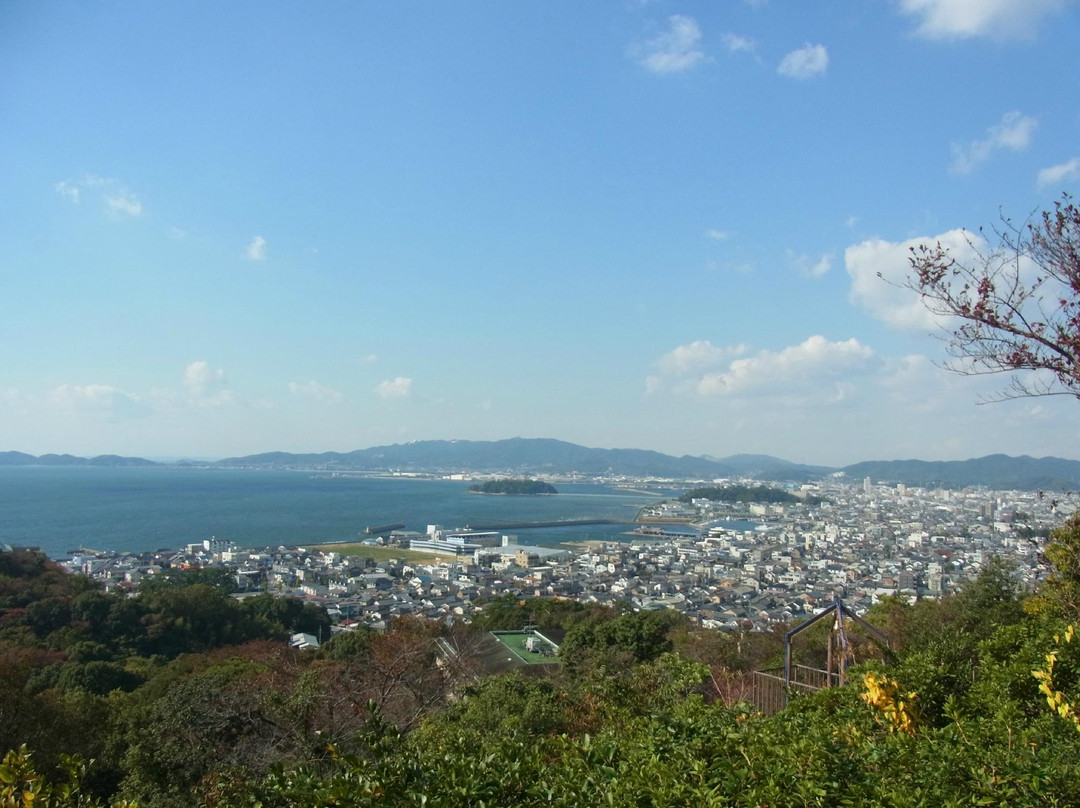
(514, 454)
(23, 459)
(994, 471)
(546, 455)
(530, 456)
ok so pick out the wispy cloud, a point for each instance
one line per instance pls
(124, 202)
(256, 250)
(804, 63)
(313, 389)
(808, 267)
(738, 44)
(117, 198)
(67, 190)
(1069, 170)
(714, 234)
(399, 387)
(963, 19)
(675, 50)
(1013, 133)
(100, 398)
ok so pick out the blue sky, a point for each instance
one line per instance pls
(253, 226)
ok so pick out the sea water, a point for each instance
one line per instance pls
(59, 508)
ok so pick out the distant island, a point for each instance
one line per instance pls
(513, 487)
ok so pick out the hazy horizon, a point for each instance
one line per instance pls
(165, 460)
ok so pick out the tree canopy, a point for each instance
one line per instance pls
(975, 705)
(745, 493)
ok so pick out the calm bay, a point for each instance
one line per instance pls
(58, 508)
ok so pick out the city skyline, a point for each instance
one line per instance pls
(655, 225)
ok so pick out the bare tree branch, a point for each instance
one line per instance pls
(1013, 308)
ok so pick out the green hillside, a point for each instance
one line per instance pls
(183, 696)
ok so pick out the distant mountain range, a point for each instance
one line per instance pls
(23, 459)
(994, 471)
(531, 456)
(515, 455)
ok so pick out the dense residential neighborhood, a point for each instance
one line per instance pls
(860, 542)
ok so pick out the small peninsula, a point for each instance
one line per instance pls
(513, 487)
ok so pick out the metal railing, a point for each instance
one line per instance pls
(771, 693)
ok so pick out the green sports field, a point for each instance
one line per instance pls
(515, 641)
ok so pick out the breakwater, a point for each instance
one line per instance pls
(559, 523)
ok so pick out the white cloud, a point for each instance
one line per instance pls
(814, 363)
(101, 398)
(67, 190)
(117, 198)
(962, 19)
(653, 384)
(256, 250)
(851, 221)
(1069, 170)
(370, 359)
(399, 387)
(810, 268)
(879, 268)
(696, 356)
(1014, 133)
(124, 202)
(674, 51)
(739, 44)
(911, 373)
(717, 235)
(313, 389)
(804, 63)
(177, 233)
(200, 379)
(206, 386)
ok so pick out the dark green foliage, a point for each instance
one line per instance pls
(985, 605)
(195, 618)
(637, 637)
(288, 615)
(27, 576)
(47, 615)
(508, 613)
(348, 646)
(513, 487)
(1059, 595)
(173, 577)
(511, 704)
(629, 722)
(746, 493)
